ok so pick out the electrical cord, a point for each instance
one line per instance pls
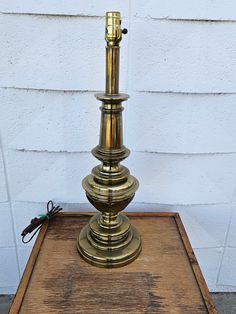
(37, 223)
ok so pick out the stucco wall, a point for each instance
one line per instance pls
(178, 64)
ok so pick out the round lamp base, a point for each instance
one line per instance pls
(109, 253)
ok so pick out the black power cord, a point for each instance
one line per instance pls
(36, 223)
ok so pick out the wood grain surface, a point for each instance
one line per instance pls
(165, 278)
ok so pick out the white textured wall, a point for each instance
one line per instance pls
(178, 65)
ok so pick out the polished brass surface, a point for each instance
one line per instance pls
(109, 240)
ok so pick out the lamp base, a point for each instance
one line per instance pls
(109, 246)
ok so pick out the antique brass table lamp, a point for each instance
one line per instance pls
(109, 240)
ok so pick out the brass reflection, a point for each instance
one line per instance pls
(109, 240)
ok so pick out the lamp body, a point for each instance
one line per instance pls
(109, 240)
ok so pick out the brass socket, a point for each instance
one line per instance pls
(113, 30)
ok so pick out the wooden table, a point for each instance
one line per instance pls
(165, 278)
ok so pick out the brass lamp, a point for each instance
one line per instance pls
(109, 240)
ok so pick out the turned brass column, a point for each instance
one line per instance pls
(109, 240)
